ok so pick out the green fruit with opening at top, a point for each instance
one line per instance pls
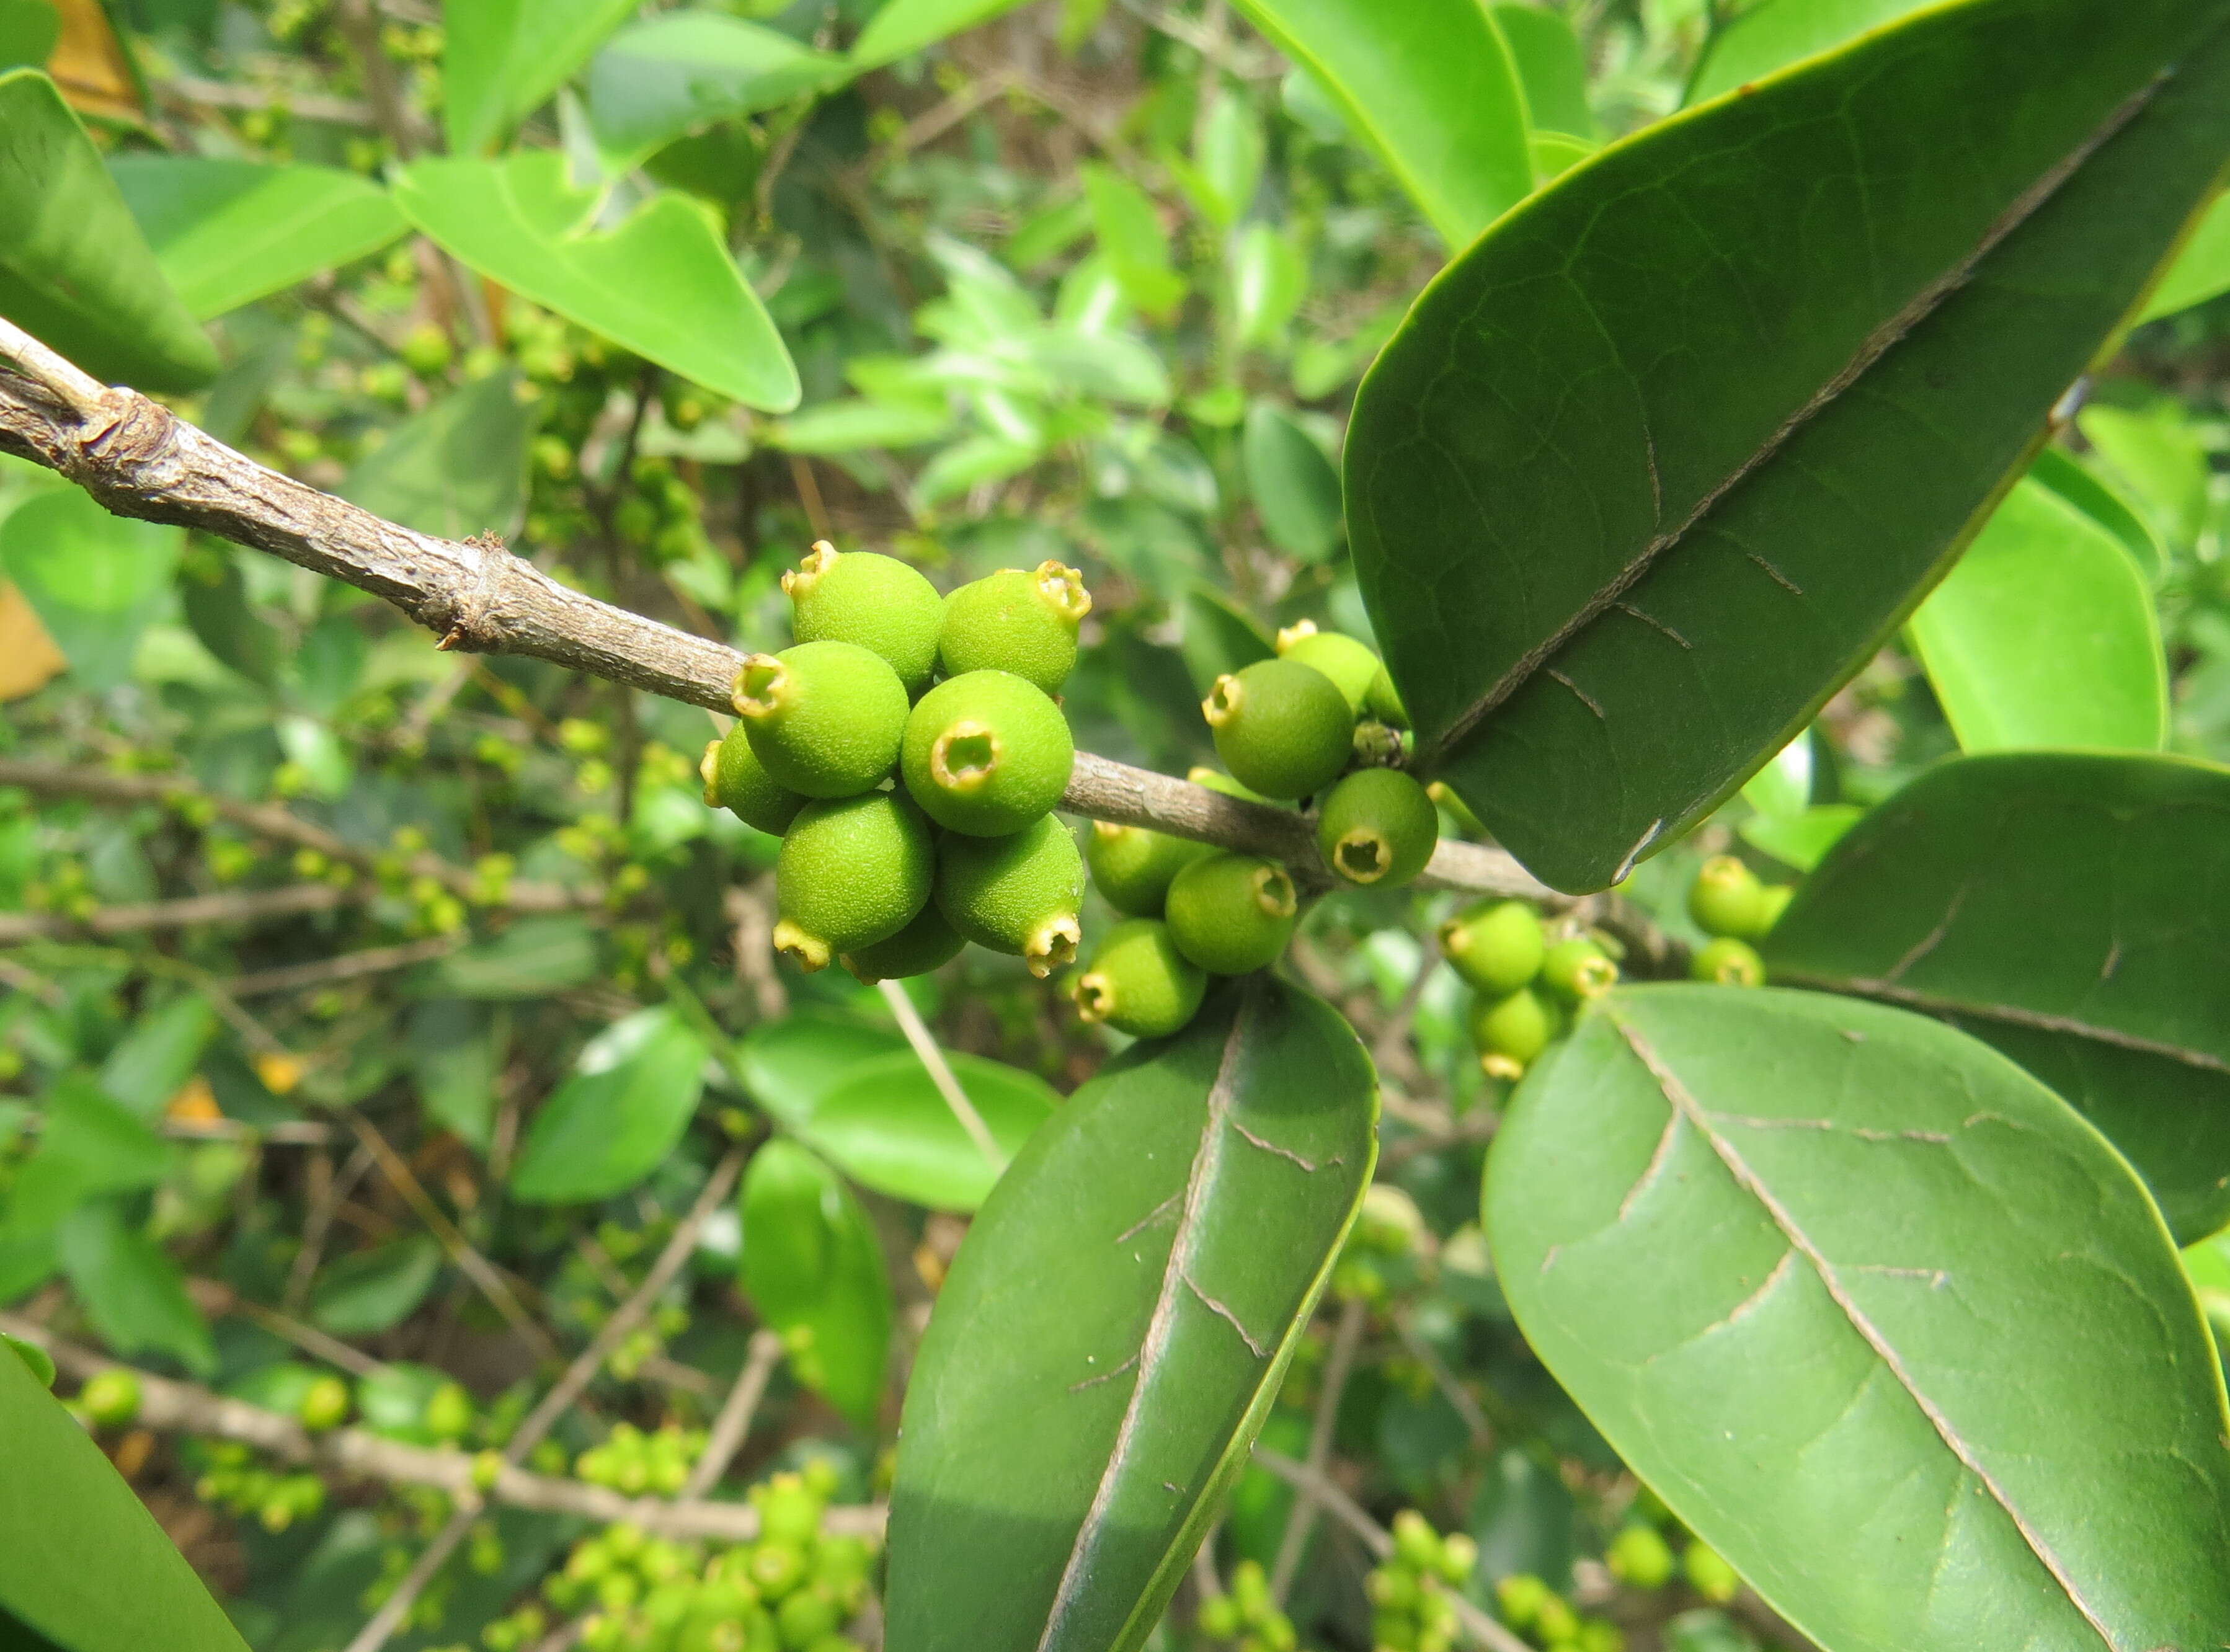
(736, 780)
(1496, 946)
(110, 1398)
(986, 753)
(1018, 895)
(1131, 865)
(1283, 729)
(1578, 970)
(1728, 962)
(1351, 665)
(1511, 1032)
(1378, 827)
(853, 871)
(877, 602)
(1233, 914)
(1139, 983)
(1024, 622)
(824, 719)
(323, 1404)
(928, 942)
(1727, 899)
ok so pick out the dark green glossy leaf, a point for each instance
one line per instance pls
(502, 58)
(2044, 634)
(228, 232)
(1654, 469)
(376, 1290)
(454, 1052)
(902, 28)
(457, 468)
(616, 1119)
(1881, 1319)
(214, 598)
(2067, 908)
(1296, 490)
(1780, 32)
(1430, 85)
(887, 1127)
(90, 1145)
(1115, 1327)
(814, 1270)
(76, 272)
(1552, 66)
(130, 1287)
(661, 283)
(533, 959)
(95, 581)
(684, 70)
(62, 1508)
(789, 1066)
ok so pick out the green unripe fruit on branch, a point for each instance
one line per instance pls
(806, 1616)
(1131, 865)
(1282, 728)
(323, 1404)
(449, 1412)
(878, 603)
(110, 1398)
(986, 753)
(824, 719)
(736, 780)
(1139, 982)
(1017, 895)
(853, 871)
(1233, 914)
(1728, 962)
(1351, 665)
(1578, 970)
(1496, 947)
(1512, 1032)
(1726, 899)
(927, 943)
(1709, 1574)
(1378, 827)
(1015, 621)
(1639, 1558)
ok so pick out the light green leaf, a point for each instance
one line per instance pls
(2161, 458)
(90, 1147)
(76, 272)
(2090, 494)
(660, 284)
(1132, 239)
(969, 464)
(1801, 839)
(1653, 533)
(1116, 1326)
(457, 468)
(2066, 908)
(1781, 32)
(503, 58)
(903, 27)
(2202, 270)
(228, 232)
(616, 1119)
(1219, 638)
(788, 1065)
(1268, 280)
(886, 1126)
(1228, 161)
(95, 581)
(1295, 489)
(28, 29)
(131, 1289)
(2044, 634)
(1430, 86)
(159, 1055)
(376, 1290)
(814, 1270)
(456, 1056)
(1551, 67)
(60, 1501)
(1837, 1280)
(684, 70)
(533, 959)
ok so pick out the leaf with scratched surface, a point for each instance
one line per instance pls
(1654, 467)
(1883, 1322)
(1116, 1326)
(2072, 909)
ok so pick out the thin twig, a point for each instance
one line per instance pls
(216, 1298)
(733, 1424)
(1346, 1338)
(1453, 1392)
(231, 906)
(318, 1222)
(345, 967)
(941, 1075)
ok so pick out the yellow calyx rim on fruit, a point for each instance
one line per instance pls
(1501, 1067)
(707, 770)
(1274, 890)
(1051, 944)
(1109, 831)
(1289, 635)
(1363, 857)
(761, 682)
(1095, 997)
(796, 582)
(1454, 937)
(1222, 702)
(964, 757)
(808, 951)
(1594, 977)
(1063, 590)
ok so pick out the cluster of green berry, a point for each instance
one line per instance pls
(1729, 903)
(660, 512)
(894, 878)
(632, 1461)
(791, 1590)
(1639, 1558)
(1411, 1610)
(1527, 984)
(1535, 1610)
(231, 1479)
(1248, 1616)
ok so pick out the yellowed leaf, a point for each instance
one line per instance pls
(89, 65)
(28, 658)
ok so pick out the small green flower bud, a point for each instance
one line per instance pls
(1773, 901)
(928, 942)
(1728, 962)
(1496, 946)
(1233, 913)
(1639, 1558)
(878, 603)
(1709, 1574)
(736, 780)
(986, 753)
(1017, 895)
(1351, 665)
(110, 1398)
(1578, 970)
(1131, 865)
(1727, 899)
(1015, 621)
(824, 718)
(1512, 1032)
(1139, 982)
(1378, 827)
(1282, 728)
(853, 871)
(323, 1404)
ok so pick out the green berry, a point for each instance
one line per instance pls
(1131, 865)
(1219, 1619)
(1709, 1574)
(788, 1510)
(808, 1615)
(1578, 970)
(449, 1412)
(986, 753)
(1728, 962)
(1017, 895)
(1773, 901)
(853, 871)
(1378, 827)
(1512, 1032)
(1351, 665)
(1496, 947)
(1415, 1543)
(1232, 914)
(1727, 899)
(1015, 621)
(1283, 728)
(1639, 1558)
(1459, 1555)
(927, 943)
(1519, 1597)
(825, 718)
(1384, 700)
(736, 780)
(323, 1404)
(110, 1398)
(777, 1568)
(878, 603)
(1139, 982)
